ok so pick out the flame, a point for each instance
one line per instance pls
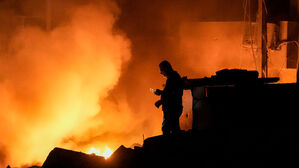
(106, 154)
(62, 78)
(94, 151)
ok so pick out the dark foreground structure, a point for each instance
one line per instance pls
(238, 121)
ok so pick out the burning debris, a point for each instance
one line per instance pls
(53, 81)
(66, 158)
(75, 74)
(106, 154)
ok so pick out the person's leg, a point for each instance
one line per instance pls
(165, 126)
(173, 124)
(176, 125)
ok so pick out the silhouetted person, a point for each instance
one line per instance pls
(171, 99)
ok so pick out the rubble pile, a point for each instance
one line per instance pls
(206, 148)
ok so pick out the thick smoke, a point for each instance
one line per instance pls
(198, 37)
(183, 33)
(52, 82)
(73, 86)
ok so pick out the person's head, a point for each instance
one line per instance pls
(165, 68)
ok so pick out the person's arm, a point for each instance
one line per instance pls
(157, 92)
(158, 103)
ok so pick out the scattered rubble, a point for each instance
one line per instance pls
(206, 148)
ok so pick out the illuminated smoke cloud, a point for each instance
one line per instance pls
(52, 82)
(77, 86)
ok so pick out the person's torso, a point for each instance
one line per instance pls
(173, 90)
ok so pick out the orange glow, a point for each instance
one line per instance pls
(53, 83)
(94, 151)
(106, 154)
(72, 86)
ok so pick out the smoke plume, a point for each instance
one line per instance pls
(76, 74)
(52, 82)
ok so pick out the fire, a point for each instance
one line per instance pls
(63, 76)
(106, 154)
(95, 151)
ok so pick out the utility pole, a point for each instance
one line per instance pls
(262, 37)
(297, 18)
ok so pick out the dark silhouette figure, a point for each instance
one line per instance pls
(171, 99)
